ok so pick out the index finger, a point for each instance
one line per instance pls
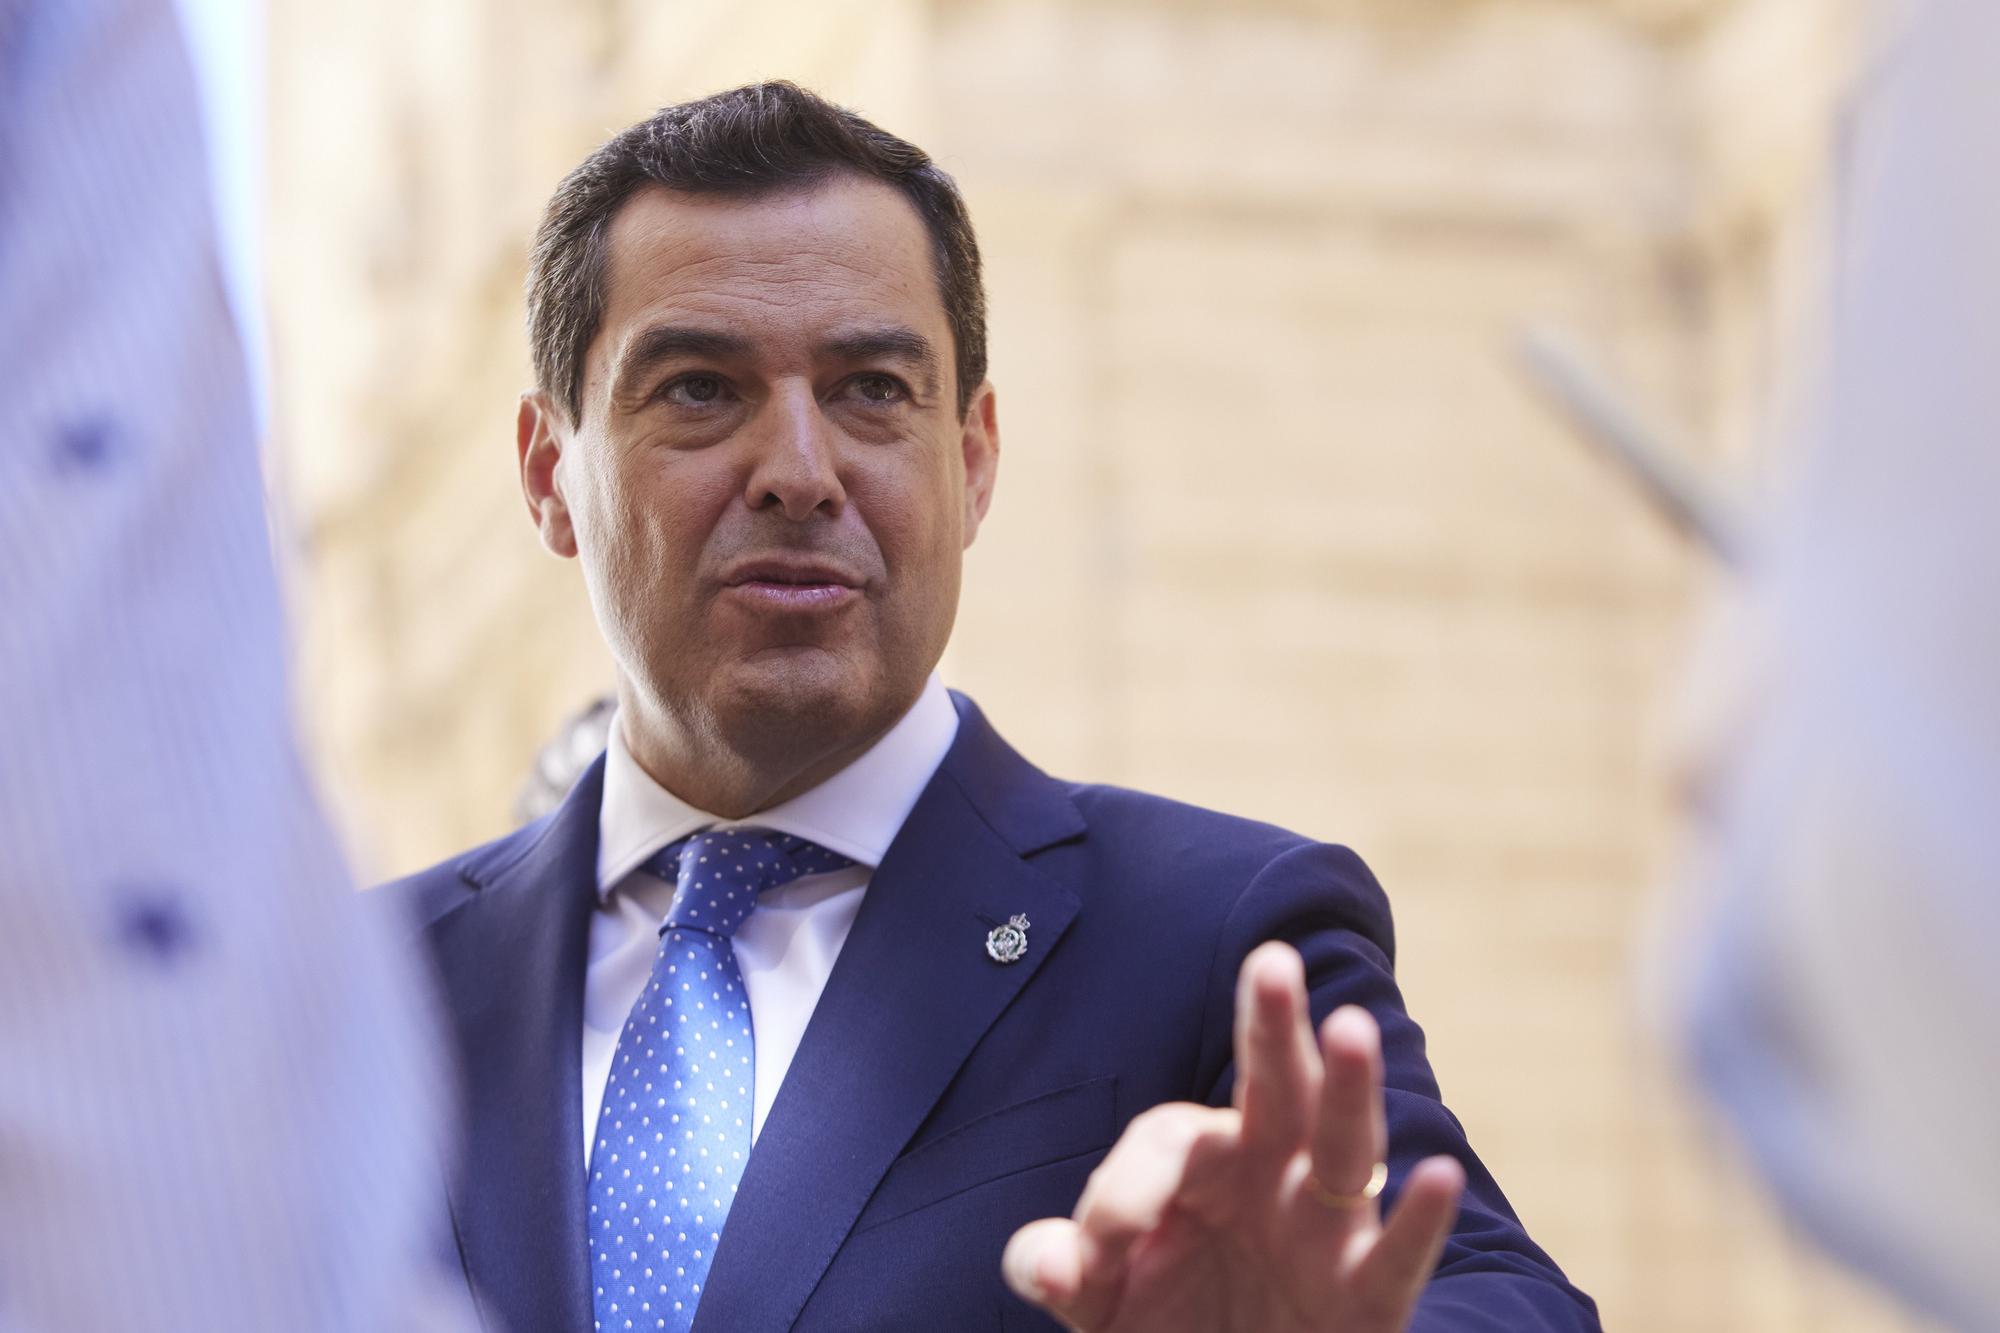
(1277, 1061)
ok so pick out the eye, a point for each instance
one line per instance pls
(694, 390)
(878, 388)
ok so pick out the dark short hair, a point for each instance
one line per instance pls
(763, 136)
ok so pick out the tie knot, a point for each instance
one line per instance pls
(719, 873)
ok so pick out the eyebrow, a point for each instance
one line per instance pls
(671, 342)
(894, 342)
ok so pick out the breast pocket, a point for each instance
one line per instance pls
(1053, 1127)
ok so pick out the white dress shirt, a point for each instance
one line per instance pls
(787, 947)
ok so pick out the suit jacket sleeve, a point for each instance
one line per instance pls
(1322, 900)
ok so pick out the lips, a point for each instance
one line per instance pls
(792, 584)
(790, 573)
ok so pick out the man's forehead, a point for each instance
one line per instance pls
(846, 239)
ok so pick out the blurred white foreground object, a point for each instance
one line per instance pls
(1844, 997)
(218, 1086)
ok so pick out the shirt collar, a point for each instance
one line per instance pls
(856, 812)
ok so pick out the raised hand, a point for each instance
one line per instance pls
(1258, 1218)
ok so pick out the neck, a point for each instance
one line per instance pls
(734, 777)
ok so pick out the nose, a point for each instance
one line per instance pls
(793, 468)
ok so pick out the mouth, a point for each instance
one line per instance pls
(785, 584)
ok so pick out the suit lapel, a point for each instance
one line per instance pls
(910, 997)
(511, 962)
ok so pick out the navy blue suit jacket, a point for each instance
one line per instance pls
(938, 1099)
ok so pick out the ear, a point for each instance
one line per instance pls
(539, 439)
(979, 445)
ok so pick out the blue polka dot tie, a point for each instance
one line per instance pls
(675, 1129)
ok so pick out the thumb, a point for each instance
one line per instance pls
(1043, 1263)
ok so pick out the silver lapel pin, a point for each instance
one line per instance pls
(1008, 943)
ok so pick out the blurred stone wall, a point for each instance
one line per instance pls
(1280, 527)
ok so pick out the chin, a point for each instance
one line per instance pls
(782, 697)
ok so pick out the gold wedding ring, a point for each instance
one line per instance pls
(1341, 1203)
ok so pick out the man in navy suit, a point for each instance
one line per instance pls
(1008, 1049)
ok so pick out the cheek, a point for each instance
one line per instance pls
(642, 533)
(915, 518)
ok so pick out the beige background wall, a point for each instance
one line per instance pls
(1280, 529)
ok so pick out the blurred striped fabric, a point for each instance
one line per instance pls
(218, 1087)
